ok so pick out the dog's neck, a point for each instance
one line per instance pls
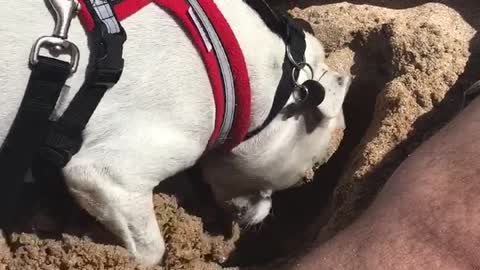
(264, 54)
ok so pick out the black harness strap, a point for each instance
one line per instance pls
(65, 137)
(29, 130)
(294, 37)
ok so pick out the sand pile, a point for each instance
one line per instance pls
(410, 61)
(188, 245)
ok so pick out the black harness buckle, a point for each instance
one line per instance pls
(108, 61)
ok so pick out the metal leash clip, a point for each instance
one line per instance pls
(57, 43)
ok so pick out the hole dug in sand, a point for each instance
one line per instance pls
(411, 61)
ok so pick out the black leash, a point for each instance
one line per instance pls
(31, 123)
(23, 147)
(28, 131)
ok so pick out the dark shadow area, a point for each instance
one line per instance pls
(48, 211)
(195, 196)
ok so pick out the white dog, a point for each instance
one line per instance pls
(158, 119)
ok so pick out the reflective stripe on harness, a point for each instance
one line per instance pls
(197, 12)
(105, 14)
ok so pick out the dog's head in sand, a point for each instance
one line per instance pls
(284, 153)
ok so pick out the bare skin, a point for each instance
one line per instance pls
(426, 217)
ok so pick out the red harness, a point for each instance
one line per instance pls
(179, 8)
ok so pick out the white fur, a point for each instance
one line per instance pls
(157, 120)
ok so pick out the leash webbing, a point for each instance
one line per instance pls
(28, 131)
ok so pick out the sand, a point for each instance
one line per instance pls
(188, 245)
(416, 56)
(410, 60)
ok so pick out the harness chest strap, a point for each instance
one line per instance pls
(221, 54)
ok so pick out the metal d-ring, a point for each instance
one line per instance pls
(301, 66)
(300, 87)
(297, 67)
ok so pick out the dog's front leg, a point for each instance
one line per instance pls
(125, 209)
